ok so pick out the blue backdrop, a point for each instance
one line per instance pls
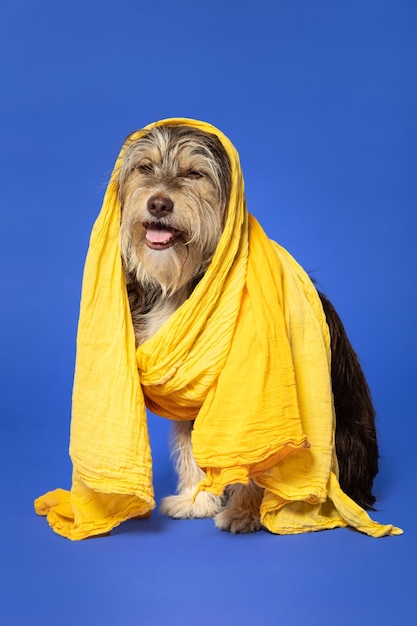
(320, 100)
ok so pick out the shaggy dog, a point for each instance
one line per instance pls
(174, 185)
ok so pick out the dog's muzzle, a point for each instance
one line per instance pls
(160, 235)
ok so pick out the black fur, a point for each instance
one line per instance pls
(356, 441)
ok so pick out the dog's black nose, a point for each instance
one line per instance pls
(160, 205)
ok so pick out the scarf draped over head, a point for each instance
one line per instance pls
(247, 357)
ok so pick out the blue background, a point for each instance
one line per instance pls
(320, 100)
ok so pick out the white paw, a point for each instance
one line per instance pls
(237, 520)
(183, 507)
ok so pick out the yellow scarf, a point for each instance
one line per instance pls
(247, 356)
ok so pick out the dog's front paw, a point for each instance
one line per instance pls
(237, 520)
(183, 507)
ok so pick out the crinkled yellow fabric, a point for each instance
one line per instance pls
(247, 356)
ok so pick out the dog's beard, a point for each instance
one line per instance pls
(167, 269)
(168, 253)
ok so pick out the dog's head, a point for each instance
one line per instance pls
(174, 185)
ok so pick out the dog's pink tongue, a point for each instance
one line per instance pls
(159, 235)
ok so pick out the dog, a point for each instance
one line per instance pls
(173, 184)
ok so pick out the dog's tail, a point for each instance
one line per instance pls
(356, 440)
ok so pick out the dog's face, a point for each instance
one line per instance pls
(174, 185)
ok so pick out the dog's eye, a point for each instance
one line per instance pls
(194, 174)
(145, 168)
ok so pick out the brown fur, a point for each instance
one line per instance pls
(174, 185)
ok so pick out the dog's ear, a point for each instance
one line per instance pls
(120, 194)
(118, 173)
(225, 168)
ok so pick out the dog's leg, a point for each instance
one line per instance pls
(241, 515)
(190, 475)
